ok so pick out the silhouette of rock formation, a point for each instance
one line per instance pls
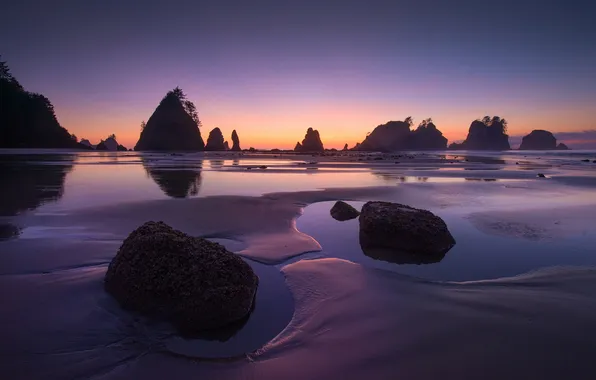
(345, 148)
(215, 141)
(226, 145)
(171, 127)
(538, 139)
(343, 211)
(486, 134)
(175, 183)
(396, 135)
(86, 142)
(101, 146)
(427, 136)
(235, 141)
(28, 182)
(121, 148)
(311, 143)
(27, 120)
(192, 282)
(562, 146)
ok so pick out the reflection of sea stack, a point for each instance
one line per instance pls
(235, 141)
(215, 141)
(27, 185)
(171, 127)
(176, 183)
(539, 139)
(311, 143)
(486, 134)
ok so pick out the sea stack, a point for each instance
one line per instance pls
(396, 135)
(215, 141)
(486, 134)
(173, 126)
(235, 142)
(311, 143)
(539, 139)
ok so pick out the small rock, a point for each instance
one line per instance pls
(343, 211)
(540, 175)
(586, 160)
(262, 167)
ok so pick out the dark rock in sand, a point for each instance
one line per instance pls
(562, 146)
(404, 229)
(215, 141)
(311, 143)
(194, 283)
(585, 160)
(342, 211)
(539, 139)
(540, 175)
(9, 231)
(170, 128)
(235, 141)
(486, 134)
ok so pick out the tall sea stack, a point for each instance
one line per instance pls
(311, 143)
(173, 126)
(235, 141)
(215, 141)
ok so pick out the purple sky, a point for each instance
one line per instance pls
(271, 69)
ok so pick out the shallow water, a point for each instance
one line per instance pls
(64, 215)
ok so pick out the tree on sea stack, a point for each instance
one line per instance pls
(174, 125)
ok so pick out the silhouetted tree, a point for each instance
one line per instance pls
(74, 137)
(112, 136)
(486, 120)
(188, 105)
(143, 125)
(408, 120)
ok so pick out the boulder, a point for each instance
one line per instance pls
(192, 282)
(235, 141)
(562, 146)
(170, 128)
(538, 139)
(215, 141)
(121, 148)
(404, 229)
(311, 143)
(342, 211)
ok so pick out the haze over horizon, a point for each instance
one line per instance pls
(271, 69)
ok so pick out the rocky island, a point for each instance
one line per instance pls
(485, 134)
(540, 139)
(173, 126)
(396, 135)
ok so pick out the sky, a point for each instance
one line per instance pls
(271, 69)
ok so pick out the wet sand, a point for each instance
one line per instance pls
(317, 315)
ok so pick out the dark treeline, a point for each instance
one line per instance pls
(27, 119)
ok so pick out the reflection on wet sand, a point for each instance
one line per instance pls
(30, 181)
(176, 182)
(397, 257)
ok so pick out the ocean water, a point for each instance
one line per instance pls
(522, 268)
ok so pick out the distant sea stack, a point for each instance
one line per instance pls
(396, 135)
(311, 143)
(486, 134)
(215, 141)
(174, 126)
(27, 119)
(539, 139)
(235, 142)
(562, 146)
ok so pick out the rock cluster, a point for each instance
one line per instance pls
(485, 134)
